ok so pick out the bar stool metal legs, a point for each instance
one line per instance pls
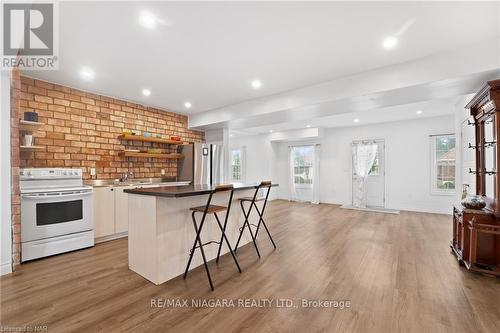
(211, 209)
(247, 224)
(200, 245)
(253, 200)
(261, 221)
(227, 242)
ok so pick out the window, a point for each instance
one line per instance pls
(236, 164)
(443, 164)
(303, 158)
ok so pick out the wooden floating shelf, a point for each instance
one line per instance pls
(29, 126)
(131, 137)
(172, 156)
(31, 147)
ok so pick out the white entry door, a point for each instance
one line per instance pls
(375, 184)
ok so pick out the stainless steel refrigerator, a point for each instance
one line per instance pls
(202, 164)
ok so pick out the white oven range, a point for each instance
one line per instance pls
(56, 212)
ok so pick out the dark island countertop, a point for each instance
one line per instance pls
(186, 190)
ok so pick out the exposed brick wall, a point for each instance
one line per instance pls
(15, 105)
(81, 131)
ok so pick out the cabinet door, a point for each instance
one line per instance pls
(104, 211)
(121, 209)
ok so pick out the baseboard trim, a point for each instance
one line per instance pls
(110, 237)
(6, 268)
(372, 209)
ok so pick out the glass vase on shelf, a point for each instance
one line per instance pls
(465, 191)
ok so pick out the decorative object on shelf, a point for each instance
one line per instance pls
(465, 191)
(28, 140)
(147, 134)
(31, 116)
(156, 151)
(474, 202)
(158, 136)
(175, 138)
(127, 132)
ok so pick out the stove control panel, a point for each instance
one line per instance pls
(50, 173)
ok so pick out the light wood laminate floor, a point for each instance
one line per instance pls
(396, 270)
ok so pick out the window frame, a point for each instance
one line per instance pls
(433, 166)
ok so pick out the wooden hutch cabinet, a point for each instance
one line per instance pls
(476, 233)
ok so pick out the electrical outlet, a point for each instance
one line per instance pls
(92, 171)
(163, 172)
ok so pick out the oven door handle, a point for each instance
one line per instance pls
(60, 195)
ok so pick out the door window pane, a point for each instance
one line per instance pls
(374, 171)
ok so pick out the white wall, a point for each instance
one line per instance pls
(407, 147)
(407, 162)
(259, 159)
(5, 237)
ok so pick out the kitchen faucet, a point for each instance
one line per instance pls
(125, 176)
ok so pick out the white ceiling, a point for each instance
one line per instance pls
(428, 109)
(208, 53)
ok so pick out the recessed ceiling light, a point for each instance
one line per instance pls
(148, 20)
(256, 84)
(230, 135)
(270, 131)
(419, 112)
(146, 92)
(356, 120)
(87, 73)
(308, 126)
(187, 105)
(390, 42)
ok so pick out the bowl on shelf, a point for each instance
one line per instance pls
(474, 202)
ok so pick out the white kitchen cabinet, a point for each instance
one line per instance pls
(104, 211)
(121, 209)
(111, 210)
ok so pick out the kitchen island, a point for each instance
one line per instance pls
(161, 231)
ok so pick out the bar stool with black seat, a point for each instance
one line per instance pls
(253, 200)
(211, 209)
